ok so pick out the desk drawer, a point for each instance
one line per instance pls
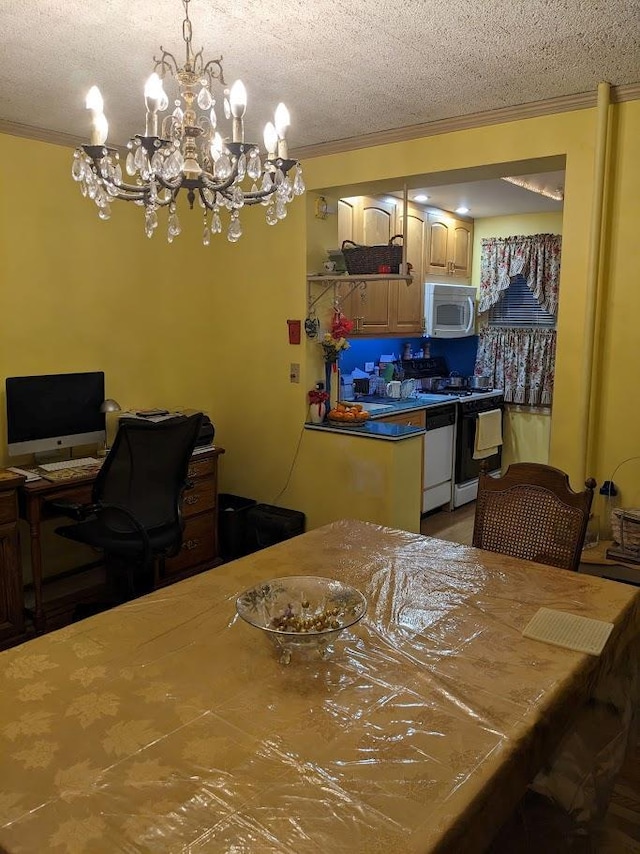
(198, 544)
(8, 507)
(199, 499)
(202, 467)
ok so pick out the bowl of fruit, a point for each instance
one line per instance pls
(347, 415)
(302, 614)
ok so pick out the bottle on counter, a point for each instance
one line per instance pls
(406, 353)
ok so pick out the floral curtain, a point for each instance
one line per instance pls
(535, 256)
(520, 361)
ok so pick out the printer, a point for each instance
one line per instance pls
(207, 430)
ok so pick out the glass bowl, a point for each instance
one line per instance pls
(302, 614)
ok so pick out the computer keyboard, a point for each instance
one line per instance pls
(77, 463)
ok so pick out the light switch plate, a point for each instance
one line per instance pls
(294, 372)
(368, 366)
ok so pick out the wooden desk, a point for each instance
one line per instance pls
(200, 542)
(12, 625)
(168, 724)
(594, 561)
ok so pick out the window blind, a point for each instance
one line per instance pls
(519, 307)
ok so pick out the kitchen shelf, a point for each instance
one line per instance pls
(356, 281)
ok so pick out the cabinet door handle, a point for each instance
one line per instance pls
(189, 545)
(192, 499)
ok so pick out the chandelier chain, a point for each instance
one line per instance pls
(187, 32)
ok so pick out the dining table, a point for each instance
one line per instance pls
(170, 724)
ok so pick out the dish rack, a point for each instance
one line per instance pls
(625, 527)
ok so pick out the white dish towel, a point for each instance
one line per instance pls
(488, 434)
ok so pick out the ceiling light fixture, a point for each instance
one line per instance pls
(421, 197)
(462, 210)
(191, 154)
(557, 195)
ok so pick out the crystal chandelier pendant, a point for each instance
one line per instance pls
(204, 99)
(235, 229)
(254, 167)
(130, 164)
(77, 168)
(223, 167)
(298, 182)
(272, 219)
(173, 224)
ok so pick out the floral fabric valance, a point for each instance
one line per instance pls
(520, 361)
(535, 256)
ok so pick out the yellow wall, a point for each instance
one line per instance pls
(206, 327)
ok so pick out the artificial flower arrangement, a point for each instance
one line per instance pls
(318, 396)
(335, 340)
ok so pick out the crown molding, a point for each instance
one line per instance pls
(41, 134)
(533, 109)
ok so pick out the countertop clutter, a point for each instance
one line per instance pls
(382, 409)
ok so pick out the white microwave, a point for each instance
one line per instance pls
(450, 310)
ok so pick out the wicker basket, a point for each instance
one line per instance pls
(625, 527)
(366, 260)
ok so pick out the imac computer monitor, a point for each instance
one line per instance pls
(47, 413)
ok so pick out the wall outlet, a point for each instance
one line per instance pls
(294, 372)
(368, 366)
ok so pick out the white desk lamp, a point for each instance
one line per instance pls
(108, 405)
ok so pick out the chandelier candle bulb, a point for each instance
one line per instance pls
(238, 104)
(154, 95)
(282, 122)
(99, 125)
(270, 140)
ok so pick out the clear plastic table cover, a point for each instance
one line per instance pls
(168, 724)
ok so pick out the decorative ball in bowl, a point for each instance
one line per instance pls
(302, 614)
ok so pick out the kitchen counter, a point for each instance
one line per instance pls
(374, 428)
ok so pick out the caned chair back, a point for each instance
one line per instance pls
(531, 512)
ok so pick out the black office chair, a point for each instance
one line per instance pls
(134, 516)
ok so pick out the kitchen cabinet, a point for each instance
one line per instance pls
(409, 419)
(387, 306)
(449, 248)
(409, 308)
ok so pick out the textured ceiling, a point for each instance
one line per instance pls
(343, 68)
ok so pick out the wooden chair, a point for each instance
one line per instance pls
(531, 512)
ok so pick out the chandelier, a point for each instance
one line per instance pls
(190, 154)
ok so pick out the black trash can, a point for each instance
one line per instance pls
(268, 525)
(232, 525)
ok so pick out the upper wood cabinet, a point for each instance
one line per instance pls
(387, 306)
(449, 247)
(347, 219)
